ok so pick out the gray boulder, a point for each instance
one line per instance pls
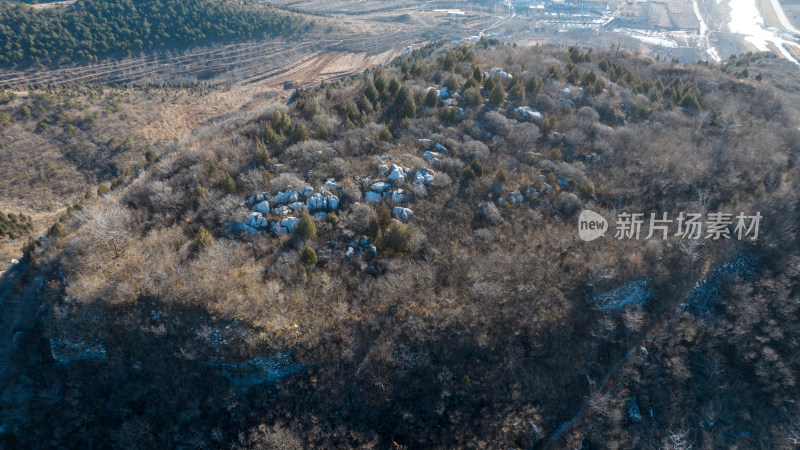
(262, 207)
(634, 415)
(256, 220)
(403, 214)
(288, 225)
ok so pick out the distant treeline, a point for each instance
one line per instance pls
(92, 29)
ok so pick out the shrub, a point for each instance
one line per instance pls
(299, 133)
(501, 176)
(477, 167)
(150, 156)
(448, 114)
(409, 108)
(306, 229)
(57, 230)
(323, 133)
(402, 95)
(489, 84)
(273, 138)
(203, 238)
(309, 256)
(468, 173)
(262, 154)
(385, 135)
(379, 79)
(451, 83)
(365, 106)
(397, 237)
(394, 87)
(498, 96)
(228, 185)
(432, 99)
(310, 107)
(384, 216)
(473, 96)
(280, 121)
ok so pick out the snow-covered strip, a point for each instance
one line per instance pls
(650, 37)
(746, 19)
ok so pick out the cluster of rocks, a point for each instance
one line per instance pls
(396, 176)
(363, 246)
(499, 71)
(278, 213)
(291, 200)
(515, 197)
(527, 113)
(446, 96)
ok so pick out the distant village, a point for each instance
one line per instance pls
(565, 14)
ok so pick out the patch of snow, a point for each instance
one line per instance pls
(259, 370)
(650, 37)
(635, 292)
(66, 349)
(746, 19)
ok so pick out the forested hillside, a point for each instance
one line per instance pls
(393, 261)
(92, 29)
